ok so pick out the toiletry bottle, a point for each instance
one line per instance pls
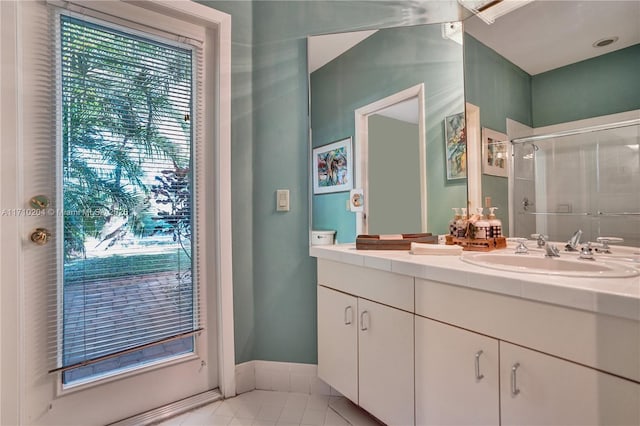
(494, 223)
(482, 226)
(461, 224)
(453, 224)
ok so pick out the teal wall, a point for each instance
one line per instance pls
(501, 90)
(603, 85)
(394, 187)
(389, 61)
(274, 277)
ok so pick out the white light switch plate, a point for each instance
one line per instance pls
(282, 200)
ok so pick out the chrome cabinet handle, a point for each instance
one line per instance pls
(364, 327)
(348, 318)
(478, 375)
(514, 385)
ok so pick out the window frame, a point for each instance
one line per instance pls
(166, 39)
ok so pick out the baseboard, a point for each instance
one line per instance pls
(281, 376)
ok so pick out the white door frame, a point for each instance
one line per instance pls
(362, 150)
(474, 156)
(13, 322)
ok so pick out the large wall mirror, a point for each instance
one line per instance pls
(396, 95)
(554, 66)
(546, 66)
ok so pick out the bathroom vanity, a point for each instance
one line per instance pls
(433, 340)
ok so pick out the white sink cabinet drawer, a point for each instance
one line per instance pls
(608, 343)
(457, 380)
(538, 389)
(380, 286)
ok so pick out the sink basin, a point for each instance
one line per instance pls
(537, 264)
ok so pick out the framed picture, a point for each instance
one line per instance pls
(332, 167)
(495, 153)
(455, 146)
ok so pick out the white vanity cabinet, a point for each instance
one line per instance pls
(539, 389)
(386, 371)
(367, 356)
(338, 341)
(411, 350)
(457, 376)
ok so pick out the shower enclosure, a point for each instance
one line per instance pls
(586, 179)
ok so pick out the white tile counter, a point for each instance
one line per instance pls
(618, 297)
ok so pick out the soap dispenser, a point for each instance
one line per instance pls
(453, 224)
(483, 229)
(495, 225)
(461, 224)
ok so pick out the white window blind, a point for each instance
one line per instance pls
(127, 172)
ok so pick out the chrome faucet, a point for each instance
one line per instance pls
(586, 252)
(574, 241)
(551, 251)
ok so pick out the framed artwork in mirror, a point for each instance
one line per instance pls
(495, 153)
(332, 167)
(455, 146)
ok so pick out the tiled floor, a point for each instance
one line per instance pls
(270, 408)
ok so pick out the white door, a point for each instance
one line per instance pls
(385, 370)
(456, 376)
(338, 341)
(105, 391)
(537, 389)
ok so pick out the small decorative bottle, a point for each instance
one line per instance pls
(494, 223)
(461, 224)
(483, 229)
(453, 224)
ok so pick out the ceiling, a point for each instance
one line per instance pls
(406, 111)
(544, 35)
(325, 48)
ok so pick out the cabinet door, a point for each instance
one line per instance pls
(456, 376)
(338, 341)
(386, 382)
(538, 389)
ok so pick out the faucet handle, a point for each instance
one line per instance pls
(541, 239)
(551, 251)
(521, 248)
(605, 243)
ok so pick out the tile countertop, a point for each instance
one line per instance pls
(612, 296)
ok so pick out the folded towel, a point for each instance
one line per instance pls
(391, 237)
(435, 249)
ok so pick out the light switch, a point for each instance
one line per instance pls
(282, 200)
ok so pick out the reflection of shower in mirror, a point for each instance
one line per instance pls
(583, 178)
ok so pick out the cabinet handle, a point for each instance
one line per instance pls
(364, 327)
(514, 385)
(348, 317)
(478, 375)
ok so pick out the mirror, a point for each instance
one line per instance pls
(548, 66)
(392, 91)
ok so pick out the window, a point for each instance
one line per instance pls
(128, 294)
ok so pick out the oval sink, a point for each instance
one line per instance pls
(536, 264)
